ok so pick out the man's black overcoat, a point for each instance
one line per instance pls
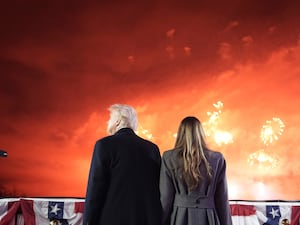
(123, 183)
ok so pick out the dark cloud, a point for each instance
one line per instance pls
(24, 90)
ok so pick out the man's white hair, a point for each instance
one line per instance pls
(127, 114)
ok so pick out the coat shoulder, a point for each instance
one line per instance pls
(147, 142)
(214, 154)
(170, 158)
(170, 154)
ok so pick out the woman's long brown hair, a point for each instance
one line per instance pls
(190, 139)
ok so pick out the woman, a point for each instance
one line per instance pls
(193, 184)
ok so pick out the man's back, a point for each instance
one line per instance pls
(125, 172)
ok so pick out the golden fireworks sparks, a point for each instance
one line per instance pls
(212, 129)
(270, 133)
(144, 133)
(262, 160)
(271, 130)
(223, 137)
(211, 125)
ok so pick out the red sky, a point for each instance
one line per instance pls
(63, 64)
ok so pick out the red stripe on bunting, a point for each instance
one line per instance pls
(10, 216)
(242, 210)
(28, 212)
(79, 207)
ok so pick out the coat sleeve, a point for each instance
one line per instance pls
(97, 186)
(221, 195)
(167, 192)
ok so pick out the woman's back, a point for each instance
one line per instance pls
(206, 204)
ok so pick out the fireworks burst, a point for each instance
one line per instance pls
(145, 133)
(211, 127)
(262, 160)
(271, 130)
(223, 137)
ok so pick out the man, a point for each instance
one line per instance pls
(123, 184)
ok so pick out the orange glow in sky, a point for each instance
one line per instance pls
(236, 67)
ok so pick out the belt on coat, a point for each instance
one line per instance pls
(194, 202)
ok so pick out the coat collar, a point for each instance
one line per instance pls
(125, 130)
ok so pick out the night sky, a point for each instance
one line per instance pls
(63, 63)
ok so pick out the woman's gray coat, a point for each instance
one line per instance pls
(208, 205)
